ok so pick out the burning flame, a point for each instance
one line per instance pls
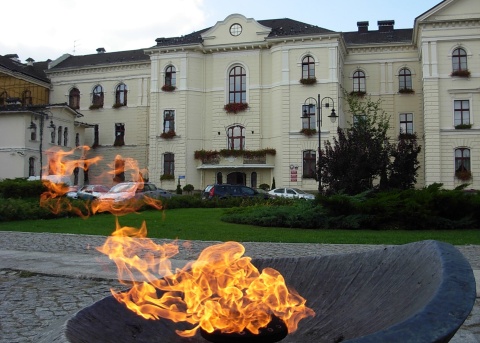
(221, 290)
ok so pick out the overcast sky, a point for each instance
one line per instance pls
(50, 28)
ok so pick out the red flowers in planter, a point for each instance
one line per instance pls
(235, 107)
(168, 135)
(168, 88)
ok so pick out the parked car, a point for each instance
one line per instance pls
(129, 190)
(224, 191)
(91, 192)
(293, 193)
(72, 192)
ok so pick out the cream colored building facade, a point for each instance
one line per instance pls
(262, 62)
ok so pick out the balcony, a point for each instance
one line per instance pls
(234, 159)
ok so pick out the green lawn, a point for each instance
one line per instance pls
(205, 224)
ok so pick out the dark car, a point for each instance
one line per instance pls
(224, 191)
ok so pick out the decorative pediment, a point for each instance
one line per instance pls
(451, 10)
(236, 29)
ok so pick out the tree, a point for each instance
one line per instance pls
(363, 153)
(403, 169)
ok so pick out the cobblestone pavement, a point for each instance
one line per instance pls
(30, 302)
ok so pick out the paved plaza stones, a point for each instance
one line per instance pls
(38, 292)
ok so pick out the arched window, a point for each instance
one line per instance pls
(308, 67)
(168, 164)
(74, 98)
(77, 139)
(31, 166)
(33, 133)
(121, 95)
(459, 60)
(309, 164)
(237, 85)
(359, 84)
(405, 79)
(27, 98)
(170, 76)
(97, 96)
(65, 136)
(236, 137)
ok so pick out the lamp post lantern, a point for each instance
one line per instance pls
(319, 103)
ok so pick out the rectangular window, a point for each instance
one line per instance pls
(119, 134)
(461, 112)
(309, 164)
(308, 116)
(406, 123)
(168, 121)
(168, 164)
(359, 118)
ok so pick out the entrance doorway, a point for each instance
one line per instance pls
(237, 178)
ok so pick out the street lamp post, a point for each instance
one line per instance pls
(319, 103)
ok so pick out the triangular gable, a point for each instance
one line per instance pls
(449, 10)
(251, 32)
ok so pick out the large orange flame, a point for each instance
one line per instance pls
(221, 290)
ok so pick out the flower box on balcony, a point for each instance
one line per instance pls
(461, 73)
(95, 106)
(308, 132)
(360, 94)
(168, 88)
(463, 175)
(308, 81)
(463, 126)
(168, 135)
(118, 105)
(406, 91)
(235, 107)
(166, 177)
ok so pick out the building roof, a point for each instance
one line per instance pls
(32, 69)
(284, 27)
(101, 58)
(378, 37)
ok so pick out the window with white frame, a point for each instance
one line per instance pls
(121, 95)
(308, 67)
(461, 114)
(168, 121)
(237, 85)
(236, 137)
(309, 164)
(405, 80)
(309, 116)
(97, 96)
(459, 60)
(406, 123)
(359, 83)
(169, 164)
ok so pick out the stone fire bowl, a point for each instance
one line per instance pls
(418, 292)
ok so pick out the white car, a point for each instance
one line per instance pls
(293, 193)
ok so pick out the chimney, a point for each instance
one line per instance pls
(30, 61)
(100, 50)
(362, 26)
(385, 25)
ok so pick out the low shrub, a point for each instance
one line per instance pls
(21, 188)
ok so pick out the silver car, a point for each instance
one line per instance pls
(129, 190)
(293, 193)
